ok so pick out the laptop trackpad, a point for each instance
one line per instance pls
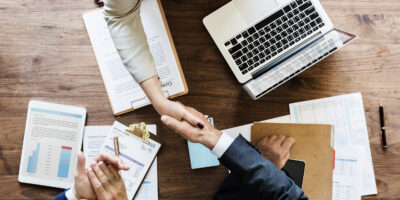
(254, 10)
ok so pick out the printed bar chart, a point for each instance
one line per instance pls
(65, 158)
(33, 160)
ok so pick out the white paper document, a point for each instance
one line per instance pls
(124, 93)
(347, 175)
(346, 113)
(94, 137)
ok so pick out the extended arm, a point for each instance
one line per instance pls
(252, 176)
(126, 29)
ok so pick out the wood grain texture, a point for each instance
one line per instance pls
(45, 54)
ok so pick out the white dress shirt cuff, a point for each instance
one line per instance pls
(222, 145)
(70, 195)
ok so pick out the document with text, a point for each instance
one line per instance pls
(346, 114)
(347, 175)
(137, 154)
(52, 140)
(94, 137)
(124, 93)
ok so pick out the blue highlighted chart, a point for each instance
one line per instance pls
(33, 160)
(65, 159)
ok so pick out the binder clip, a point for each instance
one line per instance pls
(144, 101)
(139, 130)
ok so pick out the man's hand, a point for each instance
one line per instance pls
(207, 136)
(82, 188)
(179, 112)
(276, 149)
(106, 181)
(164, 106)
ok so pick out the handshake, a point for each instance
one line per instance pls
(101, 179)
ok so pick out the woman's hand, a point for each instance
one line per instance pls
(179, 112)
(164, 106)
(207, 136)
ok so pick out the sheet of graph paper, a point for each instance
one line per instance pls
(346, 113)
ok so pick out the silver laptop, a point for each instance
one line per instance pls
(268, 42)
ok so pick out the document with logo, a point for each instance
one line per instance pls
(137, 154)
(124, 93)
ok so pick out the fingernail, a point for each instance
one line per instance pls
(101, 163)
(200, 125)
(164, 118)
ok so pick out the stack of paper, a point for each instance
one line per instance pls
(346, 113)
(351, 143)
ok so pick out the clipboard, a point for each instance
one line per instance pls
(152, 135)
(140, 102)
(134, 152)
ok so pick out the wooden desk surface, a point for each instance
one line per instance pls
(45, 54)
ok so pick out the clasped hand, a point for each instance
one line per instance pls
(274, 148)
(101, 180)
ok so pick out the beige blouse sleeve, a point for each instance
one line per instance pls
(125, 25)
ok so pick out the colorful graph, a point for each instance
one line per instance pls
(65, 158)
(33, 160)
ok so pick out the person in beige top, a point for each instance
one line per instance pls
(125, 25)
(101, 180)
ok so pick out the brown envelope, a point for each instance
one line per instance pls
(313, 146)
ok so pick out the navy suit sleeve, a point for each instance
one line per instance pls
(253, 176)
(61, 196)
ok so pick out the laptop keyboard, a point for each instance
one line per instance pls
(293, 66)
(274, 34)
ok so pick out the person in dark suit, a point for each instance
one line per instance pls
(254, 172)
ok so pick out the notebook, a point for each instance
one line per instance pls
(124, 93)
(313, 146)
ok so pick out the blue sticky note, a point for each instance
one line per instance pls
(201, 156)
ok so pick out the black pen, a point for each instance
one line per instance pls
(383, 131)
